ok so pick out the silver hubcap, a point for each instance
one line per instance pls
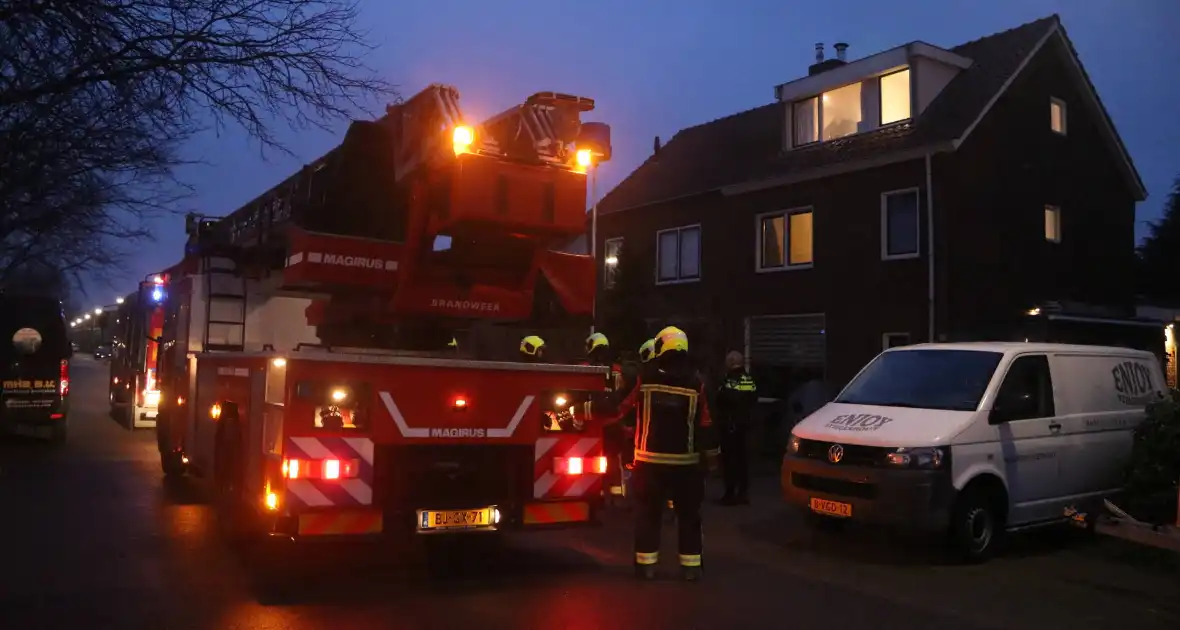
(979, 528)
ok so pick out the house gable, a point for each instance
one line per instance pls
(1091, 101)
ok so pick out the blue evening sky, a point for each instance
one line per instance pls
(656, 66)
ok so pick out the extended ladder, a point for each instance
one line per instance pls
(224, 285)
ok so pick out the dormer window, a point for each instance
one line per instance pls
(851, 109)
(895, 97)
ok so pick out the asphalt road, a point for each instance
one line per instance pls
(91, 537)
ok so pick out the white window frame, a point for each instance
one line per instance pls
(786, 214)
(1056, 219)
(885, 339)
(1053, 100)
(700, 246)
(885, 255)
(609, 281)
(819, 109)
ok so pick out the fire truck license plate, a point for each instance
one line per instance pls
(454, 519)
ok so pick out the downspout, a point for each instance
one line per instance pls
(930, 251)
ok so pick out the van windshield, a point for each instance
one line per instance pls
(924, 379)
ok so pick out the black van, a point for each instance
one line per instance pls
(35, 353)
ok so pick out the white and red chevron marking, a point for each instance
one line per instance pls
(331, 492)
(549, 485)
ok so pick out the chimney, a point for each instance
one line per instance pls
(656, 147)
(821, 65)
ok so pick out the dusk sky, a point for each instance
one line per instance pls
(657, 66)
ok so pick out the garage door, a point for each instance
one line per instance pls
(788, 340)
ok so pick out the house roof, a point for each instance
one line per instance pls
(747, 147)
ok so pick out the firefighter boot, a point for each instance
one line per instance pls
(690, 574)
(645, 571)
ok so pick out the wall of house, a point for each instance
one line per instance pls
(861, 296)
(990, 197)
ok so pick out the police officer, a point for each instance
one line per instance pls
(669, 458)
(532, 349)
(734, 406)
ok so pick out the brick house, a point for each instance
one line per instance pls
(919, 193)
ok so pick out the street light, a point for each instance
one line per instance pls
(98, 311)
(118, 300)
(73, 324)
(87, 316)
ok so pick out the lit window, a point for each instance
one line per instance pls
(612, 250)
(895, 97)
(678, 254)
(900, 228)
(840, 112)
(785, 239)
(806, 117)
(1057, 115)
(1053, 224)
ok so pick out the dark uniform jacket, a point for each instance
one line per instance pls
(735, 401)
(605, 404)
(673, 425)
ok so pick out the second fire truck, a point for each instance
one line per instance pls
(304, 364)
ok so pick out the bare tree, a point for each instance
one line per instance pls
(98, 96)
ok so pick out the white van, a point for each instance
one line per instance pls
(973, 438)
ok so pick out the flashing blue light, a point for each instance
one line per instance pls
(157, 295)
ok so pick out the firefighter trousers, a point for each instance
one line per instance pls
(654, 485)
(735, 464)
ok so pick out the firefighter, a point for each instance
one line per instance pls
(627, 423)
(669, 459)
(734, 406)
(532, 349)
(453, 346)
(614, 438)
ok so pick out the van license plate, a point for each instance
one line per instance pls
(430, 520)
(831, 508)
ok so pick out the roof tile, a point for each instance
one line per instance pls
(747, 146)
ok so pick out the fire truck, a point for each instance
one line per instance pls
(139, 322)
(307, 364)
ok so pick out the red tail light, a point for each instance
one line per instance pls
(579, 465)
(64, 377)
(320, 468)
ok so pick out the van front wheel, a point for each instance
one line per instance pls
(976, 526)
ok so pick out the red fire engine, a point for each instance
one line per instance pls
(301, 368)
(139, 321)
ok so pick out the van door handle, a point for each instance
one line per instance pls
(1054, 426)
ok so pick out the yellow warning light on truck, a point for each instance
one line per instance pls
(463, 138)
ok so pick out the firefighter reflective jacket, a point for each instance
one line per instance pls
(735, 401)
(672, 418)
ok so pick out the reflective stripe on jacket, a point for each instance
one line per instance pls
(673, 424)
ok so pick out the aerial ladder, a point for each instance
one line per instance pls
(361, 227)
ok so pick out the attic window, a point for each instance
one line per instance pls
(895, 97)
(1057, 115)
(851, 109)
